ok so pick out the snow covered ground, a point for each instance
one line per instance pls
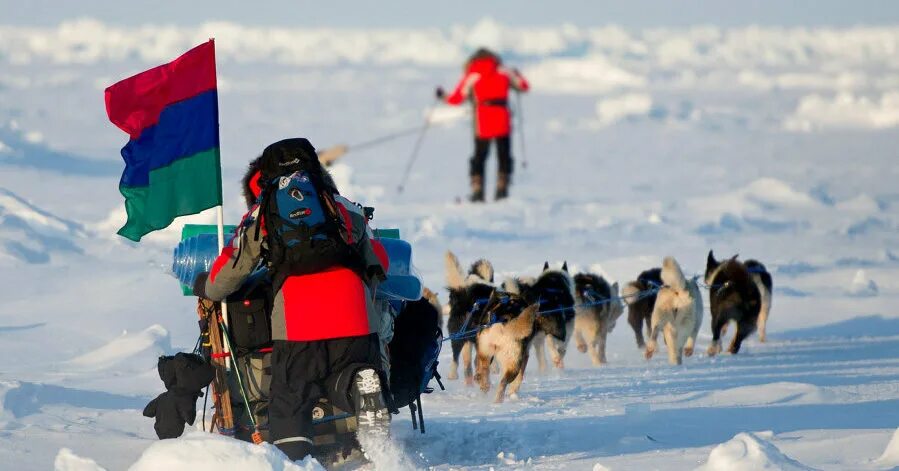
(777, 144)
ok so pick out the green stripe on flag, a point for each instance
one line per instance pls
(186, 186)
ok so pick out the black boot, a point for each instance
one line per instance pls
(372, 416)
(502, 186)
(477, 189)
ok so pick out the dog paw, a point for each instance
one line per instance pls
(763, 338)
(469, 381)
(648, 354)
(559, 364)
(453, 375)
(688, 351)
(513, 396)
(713, 350)
(582, 348)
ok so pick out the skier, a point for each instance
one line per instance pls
(323, 343)
(486, 84)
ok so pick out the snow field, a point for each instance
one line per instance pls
(777, 144)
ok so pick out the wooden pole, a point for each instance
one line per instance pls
(224, 417)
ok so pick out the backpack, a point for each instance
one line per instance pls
(305, 228)
(250, 314)
(416, 343)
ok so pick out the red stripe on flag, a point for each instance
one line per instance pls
(136, 102)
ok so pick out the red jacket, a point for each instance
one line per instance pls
(487, 85)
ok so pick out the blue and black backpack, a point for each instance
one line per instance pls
(305, 231)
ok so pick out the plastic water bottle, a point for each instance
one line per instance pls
(194, 255)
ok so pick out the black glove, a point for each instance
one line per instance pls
(172, 411)
(439, 93)
(199, 287)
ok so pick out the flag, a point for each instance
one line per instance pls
(172, 160)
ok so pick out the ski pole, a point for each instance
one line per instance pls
(256, 436)
(421, 136)
(524, 154)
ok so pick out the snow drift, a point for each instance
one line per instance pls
(749, 452)
(31, 235)
(198, 451)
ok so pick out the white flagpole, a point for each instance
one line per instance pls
(220, 217)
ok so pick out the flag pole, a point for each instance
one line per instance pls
(220, 222)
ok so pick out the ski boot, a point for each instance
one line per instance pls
(372, 416)
(502, 186)
(477, 189)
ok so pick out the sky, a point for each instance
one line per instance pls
(429, 13)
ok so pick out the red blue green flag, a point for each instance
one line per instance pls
(172, 161)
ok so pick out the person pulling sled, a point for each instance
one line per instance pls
(486, 85)
(317, 248)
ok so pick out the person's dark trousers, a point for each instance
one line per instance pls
(479, 159)
(303, 372)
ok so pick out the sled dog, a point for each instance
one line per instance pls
(553, 292)
(733, 296)
(677, 313)
(640, 299)
(468, 297)
(507, 337)
(598, 308)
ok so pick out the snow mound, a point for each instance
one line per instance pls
(198, 451)
(140, 349)
(890, 456)
(31, 235)
(612, 110)
(748, 452)
(845, 111)
(66, 460)
(594, 74)
(862, 286)
(767, 394)
(752, 206)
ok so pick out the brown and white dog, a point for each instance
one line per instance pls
(553, 291)
(677, 313)
(597, 310)
(506, 336)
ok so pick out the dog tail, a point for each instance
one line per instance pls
(455, 277)
(631, 292)
(484, 269)
(672, 275)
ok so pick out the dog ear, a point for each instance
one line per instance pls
(710, 261)
(545, 266)
(565, 266)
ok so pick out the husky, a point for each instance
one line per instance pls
(677, 313)
(762, 279)
(553, 291)
(468, 297)
(640, 299)
(509, 330)
(598, 308)
(734, 296)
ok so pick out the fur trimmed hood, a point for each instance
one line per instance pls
(251, 187)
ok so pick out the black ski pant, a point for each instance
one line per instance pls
(302, 373)
(482, 148)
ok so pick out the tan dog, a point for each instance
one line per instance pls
(596, 311)
(677, 313)
(507, 339)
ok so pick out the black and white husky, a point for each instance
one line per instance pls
(734, 296)
(763, 281)
(553, 291)
(640, 297)
(677, 313)
(598, 308)
(468, 297)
